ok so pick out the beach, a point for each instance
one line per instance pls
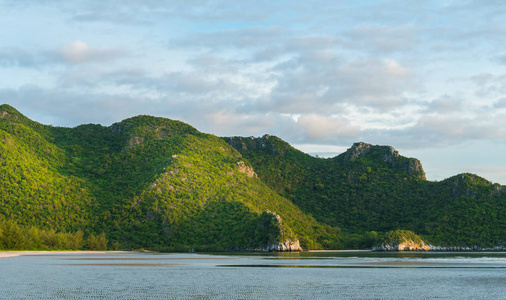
(19, 253)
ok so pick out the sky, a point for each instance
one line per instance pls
(425, 77)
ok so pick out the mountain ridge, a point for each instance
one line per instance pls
(161, 184)
(154, 178)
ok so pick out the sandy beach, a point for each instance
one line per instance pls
(18, 253)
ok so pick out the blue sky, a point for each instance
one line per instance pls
(426, 77)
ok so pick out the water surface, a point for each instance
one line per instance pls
(343, 275)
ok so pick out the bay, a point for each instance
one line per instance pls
(307, 275)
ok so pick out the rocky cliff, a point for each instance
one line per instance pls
(284, 242)
(388, 154)
(286, 246)
(402, 240)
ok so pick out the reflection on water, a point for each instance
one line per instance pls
(320, 275)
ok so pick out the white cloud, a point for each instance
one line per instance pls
(441, 129)
(446, 104)
(326, 83)
(394, 68)
(79, 52)
(318, 127)
(73, 53)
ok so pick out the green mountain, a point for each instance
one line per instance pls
(372, 188)
(146, 182)
(159, 184)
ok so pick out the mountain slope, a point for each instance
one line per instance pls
(34, 190)
(147, 182)
(373, 188)
(160, 184)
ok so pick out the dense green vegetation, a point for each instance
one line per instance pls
(398, 236)
(147, 183)
(159, 184)
(15, 237)
(373, 188)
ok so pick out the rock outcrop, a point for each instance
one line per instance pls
(402, 240)
(284, 242)
(437, 248)
(405, 240)
(388, 154)
(268, 144)
(465, 248)
(405, 246)
(286, 246)
(243, 168)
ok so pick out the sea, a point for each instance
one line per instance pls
(306, 275)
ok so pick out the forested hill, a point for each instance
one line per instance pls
(159, 184)
(145, 182)
(373, 188)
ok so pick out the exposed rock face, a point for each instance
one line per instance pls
(357, 150)
(286, 246)
(405, 246)
(405, 240)
(135, 140)
(415, 167)
(270, 144)
(4, 114)
(389, 155)
(281, 243)
(402, 240)
(243, 168)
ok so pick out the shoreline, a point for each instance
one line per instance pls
(330, 251)
(14, 253)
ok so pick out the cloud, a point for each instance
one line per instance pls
(146, 12)
(317, 127)
(501, 103)
(69, 108)
(382, 39)
(245, 38)
(447, 130)
(73, 53)
(79, 52)
(286, 46)
(322, 82)
(313, 41)
(489, 85)
(445, 104)
(19, 57)
(500, 58)
(482, 78)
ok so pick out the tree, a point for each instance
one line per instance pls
(97, 242)
(12, 236)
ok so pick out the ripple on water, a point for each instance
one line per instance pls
(193, 276)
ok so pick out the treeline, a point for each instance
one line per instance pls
(15, 237)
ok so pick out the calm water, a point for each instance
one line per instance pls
(343, 275)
